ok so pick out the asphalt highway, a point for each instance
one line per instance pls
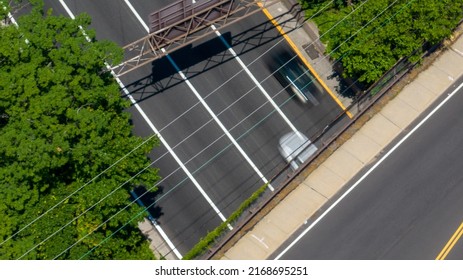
(409, 207)
(219, 128)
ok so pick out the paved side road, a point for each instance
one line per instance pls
(324, 182)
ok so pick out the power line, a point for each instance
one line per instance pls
(133, 150)
(188, 161)
(190, 135)
(242, 135)
(346, 53)
(179, 143)
(141, 212)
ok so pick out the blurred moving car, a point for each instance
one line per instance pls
(291, 73)
(296, 148)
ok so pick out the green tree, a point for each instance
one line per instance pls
(62, 122)
(367, 48)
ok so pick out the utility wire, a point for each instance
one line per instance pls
(141, 212)
(249, 129)
(235, 125)
(345, 90)
(179, 143)
(148, 139)
(169, 174)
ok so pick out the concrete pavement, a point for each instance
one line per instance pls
(344, 163)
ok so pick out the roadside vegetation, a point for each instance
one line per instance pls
(63, 122)
(380, 32)
(213, 236)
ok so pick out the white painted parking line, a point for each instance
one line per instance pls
(256, 82)
(164, 142)
(208, 109)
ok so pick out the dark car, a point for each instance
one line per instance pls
(298, 80)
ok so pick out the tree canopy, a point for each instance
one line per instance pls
(379, 33)
(62, 122)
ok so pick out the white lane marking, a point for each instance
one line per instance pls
(256, 82)
(208, 199)
(164, 142)
(15, 23)
(369, 171)
(161, 232)
(71, 14)
(177, 159)
(216, 119)
(209, 110)
(10, 16)
(137, 15)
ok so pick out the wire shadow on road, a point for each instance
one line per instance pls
(213, 52)
(163, 74)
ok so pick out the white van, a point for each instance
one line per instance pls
(296, 148)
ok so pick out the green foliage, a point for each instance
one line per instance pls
(336, 3)
(212, 236)
(366, 48)
(62, 122)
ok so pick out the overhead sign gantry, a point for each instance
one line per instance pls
(182, 23)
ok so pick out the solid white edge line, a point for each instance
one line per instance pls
(166, 238)
(10, 16)
(369, 171)
(256, 82)
(121, 85)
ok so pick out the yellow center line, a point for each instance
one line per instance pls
(294, 47)
(451, 243)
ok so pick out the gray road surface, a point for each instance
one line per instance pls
(215, 163)
(407, 208)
